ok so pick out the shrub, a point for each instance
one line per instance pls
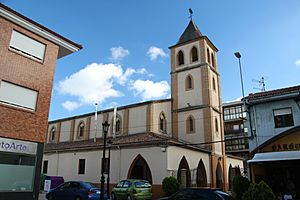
(260, 191)
(170, 185)
(240, 185)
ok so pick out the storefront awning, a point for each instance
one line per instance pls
(275, 156)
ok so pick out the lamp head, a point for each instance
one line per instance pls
(237, 54)
(105, 126)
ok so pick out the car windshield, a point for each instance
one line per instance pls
(224, 195)
(142, 184)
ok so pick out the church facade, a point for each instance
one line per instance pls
(182, 136)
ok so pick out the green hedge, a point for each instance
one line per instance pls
(170, 185)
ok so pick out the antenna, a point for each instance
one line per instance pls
(191, 13)
(262, 85)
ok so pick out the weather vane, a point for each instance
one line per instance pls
(191, 13)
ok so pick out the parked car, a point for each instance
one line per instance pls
(75, 190)
(199, 194)
(132, 189)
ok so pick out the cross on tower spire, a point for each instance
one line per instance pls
(191, 13)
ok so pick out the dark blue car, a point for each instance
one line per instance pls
(75, 190)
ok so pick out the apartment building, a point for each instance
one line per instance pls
(29, 52)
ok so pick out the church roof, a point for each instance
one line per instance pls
(190, 33)
(139, 139)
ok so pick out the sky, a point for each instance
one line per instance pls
(125, 57)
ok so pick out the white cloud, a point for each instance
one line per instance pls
(155, 52)
(298, 63)
(118, 53)
(95, 83)
(150, 90)
(70, 105)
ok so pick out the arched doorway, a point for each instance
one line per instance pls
(219, 176)
(201, 175)
(232, 172)
(184, 174)
(139, 169)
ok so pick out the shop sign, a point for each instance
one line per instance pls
(286, 147)
(17, 146)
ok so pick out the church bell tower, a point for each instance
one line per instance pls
(196, 94)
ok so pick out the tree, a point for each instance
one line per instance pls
(260, 191)
(240, 185)
(170, 185)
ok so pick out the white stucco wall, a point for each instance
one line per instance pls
(65, 131)
(175, 154)
(196, 137)
(66, 164)
(192, 96)
(137, 119)
(164, 107)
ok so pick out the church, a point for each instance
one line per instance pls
(182, 136)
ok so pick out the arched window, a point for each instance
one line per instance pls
(118, 124)
(216, 125)
(194, 54)
(52, 134)
(190, 124)
(212, 60)
(214, 83)
(180, 58)
(208, 56)
(162, 123)
(189, 82)
(80, 130)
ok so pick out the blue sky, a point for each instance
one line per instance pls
(126, 60)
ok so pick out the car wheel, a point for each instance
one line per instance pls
(113, 196)
(50, 197)
(128, 197)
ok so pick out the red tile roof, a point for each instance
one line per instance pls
(271, 93)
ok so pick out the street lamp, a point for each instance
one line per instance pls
(109, 144)
(238, 55)
(105, 127)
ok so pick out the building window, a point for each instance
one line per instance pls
(283, 117)
(216, 125)
(45, 167)
(17, 172)
(162, 123)
(212, 60)
(208, 56)
(81, 166)
(190, 124)
(27, 45)
(189, 83)
(194, 54)
(52, 134)
(234, 112)
(80, 130)
(180, 58)
(214, 83)
(18, 96)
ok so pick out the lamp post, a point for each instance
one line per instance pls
(109, 144)
(105, 127)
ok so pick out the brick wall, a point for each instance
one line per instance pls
(21, 70)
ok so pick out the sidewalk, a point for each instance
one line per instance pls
(42, 195)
